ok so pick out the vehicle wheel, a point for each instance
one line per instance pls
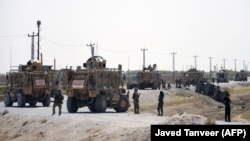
(33, 103)
(46, 101)
(100, 104)
(7, 100)
(21, 100)
(72, 105)
(122, 105)
(92, 108)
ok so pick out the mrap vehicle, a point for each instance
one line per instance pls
(30, 83)
(95, 86)
(222, 76)
(149, 78)
(241, 76)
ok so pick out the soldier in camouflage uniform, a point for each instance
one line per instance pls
(136, 96)
(58, 101)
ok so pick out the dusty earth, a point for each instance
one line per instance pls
(37, 123)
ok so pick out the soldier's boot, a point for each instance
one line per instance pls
(159, 112)
(53, 114)
(59, 113)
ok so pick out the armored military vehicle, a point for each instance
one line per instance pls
(149, 78)
(222, 76)
(191, 77)
(95, 86)
(241, 76)
(132, 81)
(30, 83)
(211, 90)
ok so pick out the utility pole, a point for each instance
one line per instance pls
(210, 71)
(143, 66)
(243, 64)
(235, 65)
(38, 42)
(224, 64)
(173, 65)
(195, 56)
(32, 46)
(54, 63)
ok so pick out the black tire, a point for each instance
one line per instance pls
(122, 105)
(21, 100)
(33, 103)
(100, 104)
(72, 105)
(7, 100)
(46, 101)
(92, 108)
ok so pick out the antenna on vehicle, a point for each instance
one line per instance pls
(92, 52)
(96, 48)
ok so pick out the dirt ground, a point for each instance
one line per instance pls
(37, 123)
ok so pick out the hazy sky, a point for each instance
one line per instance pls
(205, 28)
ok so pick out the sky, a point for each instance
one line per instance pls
(200, 32)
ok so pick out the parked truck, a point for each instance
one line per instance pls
(95, 86)
(241, 76)
(191, 77)
(30, 83)
(149, 78)
(222, 76)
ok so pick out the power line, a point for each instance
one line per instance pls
(12, 36)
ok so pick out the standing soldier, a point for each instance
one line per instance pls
(160, 104)
(213, 80)
(136, 96)
(227, 103)
(163, 84)
(169, 86)
(58, 101)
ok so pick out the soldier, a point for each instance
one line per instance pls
(227, 103)
(213, 79)
(169, 86)
(136, 96)
(58, 101)
(160, 104)
(163, 84)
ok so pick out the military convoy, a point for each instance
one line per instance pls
(241, 76)
(95, 86)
